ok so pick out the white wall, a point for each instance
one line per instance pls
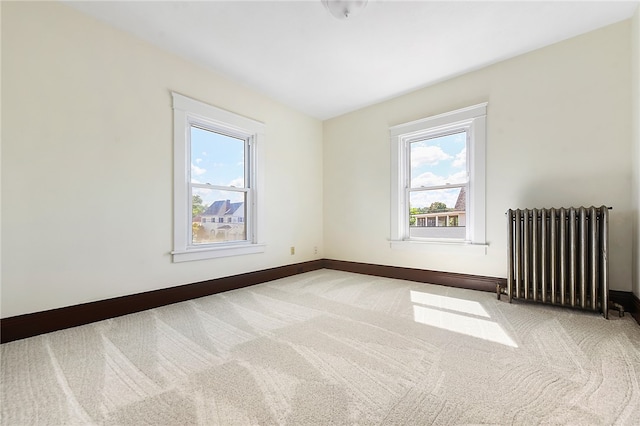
(558, 135)
(87, 163)
(635, 114)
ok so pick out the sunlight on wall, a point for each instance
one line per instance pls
(465, 321)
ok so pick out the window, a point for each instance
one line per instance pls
(216, 160)
(438, 167)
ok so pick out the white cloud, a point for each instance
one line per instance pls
(426, 198)
(427, 179)
(431, 179)
(430, 155)
(198, 160)
(238, 182)
(459, 177)
(198, 171)
(460, 159)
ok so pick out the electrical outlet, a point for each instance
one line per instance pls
(315, 250)
(293, 250)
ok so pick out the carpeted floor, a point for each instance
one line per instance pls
(330, 347)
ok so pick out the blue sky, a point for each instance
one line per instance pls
(217, 160)
(438, 161)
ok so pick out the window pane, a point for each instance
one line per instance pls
(217, 159)
(438, 161)
(438, 213)
(218, 216)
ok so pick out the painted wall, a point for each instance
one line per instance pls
(87, 163)
(635, 117)
(558, 135)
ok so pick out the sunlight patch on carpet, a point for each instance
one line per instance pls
(459, 316)
(449, 303)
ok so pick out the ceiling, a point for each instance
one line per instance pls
(297, 53)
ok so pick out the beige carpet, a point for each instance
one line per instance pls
(330, 347)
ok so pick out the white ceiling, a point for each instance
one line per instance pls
(296, 52)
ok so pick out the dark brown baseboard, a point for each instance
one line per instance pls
(624, 298)
(28, 325)
(636, 308)
(627, 299)
(473, 282)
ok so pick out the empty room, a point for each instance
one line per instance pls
(320, 212)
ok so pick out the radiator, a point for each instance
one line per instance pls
(559, 256)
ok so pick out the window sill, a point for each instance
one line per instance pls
(216, 252)
(441, 246)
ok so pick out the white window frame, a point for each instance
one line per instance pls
(472, 120)
(189, 112)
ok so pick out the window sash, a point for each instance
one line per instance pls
(248, 224)
(431, 134)
(205, 125)
(407, 218)
(426, 135)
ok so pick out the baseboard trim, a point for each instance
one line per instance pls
(450, 279)
(28, 325)
(624, 298)
(635, 312)
(627, 299)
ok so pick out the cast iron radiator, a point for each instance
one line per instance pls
(559, 256)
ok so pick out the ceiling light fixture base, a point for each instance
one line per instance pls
(344, 9)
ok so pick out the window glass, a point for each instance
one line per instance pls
(439, 161)
(437, 189)
(217, 159)
(438, 213)
(217, 187)
(223, 205)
